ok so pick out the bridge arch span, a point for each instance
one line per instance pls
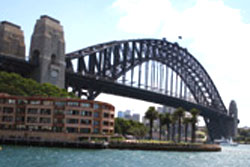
(112, 60)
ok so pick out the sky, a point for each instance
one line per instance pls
(216, 32)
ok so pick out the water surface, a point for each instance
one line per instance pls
(21, 156)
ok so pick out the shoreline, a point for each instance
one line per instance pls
(182, 147)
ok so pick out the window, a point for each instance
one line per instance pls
(22, 102)
(72, 130)
(11, 101)
(60, 103)
(19, 119)
(8, 110)
(47, 103)
(86, 113)
(35, 57)
(72, 112)
(105, 130)
(7, 118)
(105, 123)
(96, 123)
(32, 111)
(53, 58)
(35, 102)
(32, 120)
(85, 121)
(84, 130)
(58, 112)
(105, 115)
(106, 107)
(96, 106)
(45, 120)
(87, 105)
(96, 114)
(72, 121)
(58, 121)
(45, 111)
(96, 130)
(71, 103)
(20, 110)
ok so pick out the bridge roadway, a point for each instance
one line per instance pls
(112, 87)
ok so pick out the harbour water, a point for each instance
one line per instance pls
(23, 156)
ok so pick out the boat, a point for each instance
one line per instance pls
(226, 142)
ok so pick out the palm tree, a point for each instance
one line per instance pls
(167, 121)
(194, 112)
(179, 112)
(152, 115)
(173, 122)
(186, 122)
(161, 123)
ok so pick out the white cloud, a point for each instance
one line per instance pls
(213, 32)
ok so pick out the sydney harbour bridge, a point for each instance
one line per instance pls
(153, 70)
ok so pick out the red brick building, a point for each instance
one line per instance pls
(50, 118)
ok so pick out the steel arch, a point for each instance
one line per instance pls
(113, 59)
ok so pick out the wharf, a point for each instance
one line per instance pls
(157, 146)
(164, 146)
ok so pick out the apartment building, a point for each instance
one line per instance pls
(54, 118)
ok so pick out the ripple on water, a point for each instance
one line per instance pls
(17, 156)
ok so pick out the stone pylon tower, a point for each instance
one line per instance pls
(47, 52)
(233, 112)
(11, 40)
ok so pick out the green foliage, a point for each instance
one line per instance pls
(151, 113)
(129, 127)
(14, 84)
(194, 112)
(243, 136)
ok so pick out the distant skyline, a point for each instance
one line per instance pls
(216, 32)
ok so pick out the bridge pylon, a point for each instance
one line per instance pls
(47, 52)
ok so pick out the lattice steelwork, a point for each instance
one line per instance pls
(155, 65)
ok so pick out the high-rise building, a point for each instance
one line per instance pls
(127, 114)
(120, 114)
(136, 117)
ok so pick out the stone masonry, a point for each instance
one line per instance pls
(11, 40)
(47, 51)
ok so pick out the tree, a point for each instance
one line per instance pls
(14, 84)
(161, 123)
(167, 121)
(173, 122)
(179, 112)
(186, 121)
(124, 127)
(152, 115)
(194, 112)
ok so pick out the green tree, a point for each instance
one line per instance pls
(161, 123)
(167, 121)
(173, 122)
(194, 112)
(179, 112)
(152, 115)
(186, 121)
(14, 84)
(124, 127)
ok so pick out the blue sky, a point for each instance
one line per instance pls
(216, 32)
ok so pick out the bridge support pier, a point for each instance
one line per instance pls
(220, 128)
